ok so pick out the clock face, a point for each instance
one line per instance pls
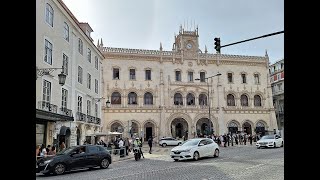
(189, 45)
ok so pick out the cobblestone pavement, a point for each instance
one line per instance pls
(234, 163)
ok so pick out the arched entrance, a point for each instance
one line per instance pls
(78, 136)
(179, 128)
(247, 128)
(260, 128)
(116, 127)
(64, 136)
(233, 127)
(202, 127)
(149, 129)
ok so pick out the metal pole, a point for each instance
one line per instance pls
(209, 106)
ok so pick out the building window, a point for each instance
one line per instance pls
(89, 81)
(65, 64)
(79, 104)
(48, 52)
(190, 76)
(279, 86)
(282, 65)
(178, 76)
(202, 99)
(132, 98)
(89, 55)
(148, 74)
(244, 79)
(46, 91)
(148, 98)
(116, 98)
(202, 76)
(132, 74)
(279, 76)
(80, 46)
(64, 98)
(88, 107)
(230, 80)
(96, 110)
(230, 100)
(66, 31)
(256, 79)
(96, 62)
(80, 74)
(116, 74)
(257, 100)
(244, 100)
(49, 15)
(190, 99)
(96, 86)
(178, 99)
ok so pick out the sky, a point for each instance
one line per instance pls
(143, 24)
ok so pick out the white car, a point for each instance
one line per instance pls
(195, 149)
(270, 141)
(169, 141)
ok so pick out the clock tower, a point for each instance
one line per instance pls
(186, 41)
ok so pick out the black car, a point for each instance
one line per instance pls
(76, 157)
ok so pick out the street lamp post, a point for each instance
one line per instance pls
(207, 78)
(47, 71)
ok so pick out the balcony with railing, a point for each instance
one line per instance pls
(98, 121)
(81, 117)
(65, 111)
(43, 105)
(90, 119)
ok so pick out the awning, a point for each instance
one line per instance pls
(50, 116)
(63, 130)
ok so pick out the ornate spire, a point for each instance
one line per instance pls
(205, 49)
(101, 43)
(266, 55)
(160, 46)
(98, 43)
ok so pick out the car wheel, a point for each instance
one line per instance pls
(164, 145)
(179, 143)
(216, 153)
(196, 156)
(282, 144)
(176, 160)
(59, 169)
(258, 147)
(274, 145)
(104, 163)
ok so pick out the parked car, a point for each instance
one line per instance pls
(270, 141)
(169, 141)
(76, 157)
(195, 149)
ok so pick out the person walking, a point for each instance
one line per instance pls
(150, 144)
(250, 139)
(126, 144)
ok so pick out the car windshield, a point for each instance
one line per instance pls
(192, 142)
(268, 137)
(65, 151)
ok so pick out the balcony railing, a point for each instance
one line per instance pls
(98, 121)
(47, 106)
(65, 111)
(90, 119)
(81, 117)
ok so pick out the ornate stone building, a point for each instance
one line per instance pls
(155, 92)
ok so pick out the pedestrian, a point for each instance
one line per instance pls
(228, 139)
(43, 151)
(224, 140)
(52, 151)
(62, 146)
(250, 139)
(126, 144)
(245, 139)
(236, 139)
(37, 151)
(150, 144)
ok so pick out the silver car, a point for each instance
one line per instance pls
(169, 141)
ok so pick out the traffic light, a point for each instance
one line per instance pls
(217, 44)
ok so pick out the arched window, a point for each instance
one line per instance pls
(116, 98)
(190, 99)
(202, 99)
(244, 100)
(257, 100)
(132, 98)
(178, 99)
(148, 98)
(230, 100)
(49, 15)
